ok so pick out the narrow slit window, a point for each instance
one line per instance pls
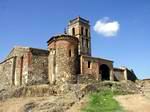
(70, 53)
(89, 64)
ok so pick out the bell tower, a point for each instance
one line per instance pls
(80, 28)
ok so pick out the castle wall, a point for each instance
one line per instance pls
(63, 59)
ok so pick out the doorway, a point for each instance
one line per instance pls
(104, 72)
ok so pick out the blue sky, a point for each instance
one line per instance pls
(33, 22)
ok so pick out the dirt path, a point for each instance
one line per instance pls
(134, 103)
(17, 104)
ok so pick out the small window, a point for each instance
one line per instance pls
(82, 30)
(73, 31)
(70, 53)
(89, 64)
(86, 32)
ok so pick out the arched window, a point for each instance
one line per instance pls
(73, 31)
(82, 30)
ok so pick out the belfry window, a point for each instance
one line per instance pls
(86, 32)
(82, 30)
(73, 31)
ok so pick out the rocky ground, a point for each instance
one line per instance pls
(67, 97)
(37, 104)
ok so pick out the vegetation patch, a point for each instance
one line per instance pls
(102, 101)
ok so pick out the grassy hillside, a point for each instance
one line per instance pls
(102, 102)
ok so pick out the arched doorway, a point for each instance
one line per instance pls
(104, 72)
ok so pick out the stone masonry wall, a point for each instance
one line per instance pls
(21, 64)
(29, 67)
(38, 73)
(84, 40)
(82, 32)
(7, 72)
(63, 59)
(66, 65)
(93, 68)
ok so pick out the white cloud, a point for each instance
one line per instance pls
(106, 27)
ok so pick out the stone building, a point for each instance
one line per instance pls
(25, 66)
(67, 58)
